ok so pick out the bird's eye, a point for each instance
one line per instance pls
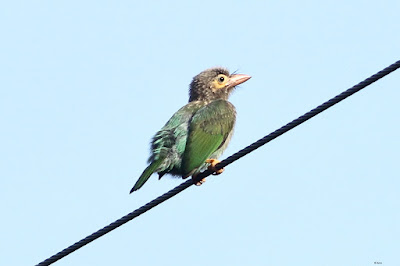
(219, 82)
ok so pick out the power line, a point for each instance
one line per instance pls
(222, 164)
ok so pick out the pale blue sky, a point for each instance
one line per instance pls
(85, 85)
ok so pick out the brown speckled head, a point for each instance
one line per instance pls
(214, 83)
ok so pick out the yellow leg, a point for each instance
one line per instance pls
(211, 167)
(213, 163)
(200, 182)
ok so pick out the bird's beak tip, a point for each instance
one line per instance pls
(237, 79)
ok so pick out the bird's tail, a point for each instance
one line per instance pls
(146, 174)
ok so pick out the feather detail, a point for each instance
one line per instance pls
(146, 174)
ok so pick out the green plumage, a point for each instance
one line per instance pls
(146, 174)
(198, 131)
(209, 129)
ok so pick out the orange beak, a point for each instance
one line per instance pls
(237, 79)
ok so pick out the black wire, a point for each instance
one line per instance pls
(309, 115)
(222, 164)
(117, 223)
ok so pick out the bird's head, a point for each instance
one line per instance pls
(214, 83)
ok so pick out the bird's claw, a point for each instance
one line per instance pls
(211, 167)
(200, 182)
(213, 163)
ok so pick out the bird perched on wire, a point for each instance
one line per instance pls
(197, 134)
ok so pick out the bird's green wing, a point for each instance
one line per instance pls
(208, 130)
(168, 145)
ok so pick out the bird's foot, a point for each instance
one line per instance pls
(198, 183)
(211, 167)
(213, 163)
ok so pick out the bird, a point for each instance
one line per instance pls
(198, 133)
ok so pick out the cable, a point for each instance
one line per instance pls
(222, 164)
(309, 115)
(116, 224)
